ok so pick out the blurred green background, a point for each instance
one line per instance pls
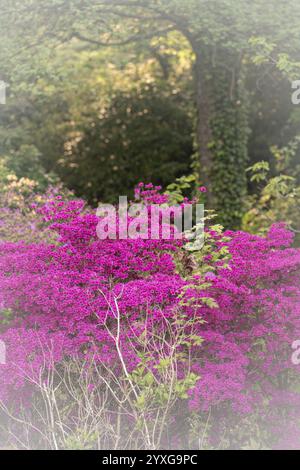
(104, 94)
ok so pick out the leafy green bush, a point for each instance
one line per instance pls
(278, 195)
(141, 136)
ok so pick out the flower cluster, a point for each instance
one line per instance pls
(57, 295)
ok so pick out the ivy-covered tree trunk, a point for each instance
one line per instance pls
(222, 132)
(203, 163)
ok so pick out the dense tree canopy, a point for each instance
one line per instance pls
(216, 56)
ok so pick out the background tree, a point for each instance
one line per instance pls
(225, 36)
(141, 136)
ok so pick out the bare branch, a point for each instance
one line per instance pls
(135, 38)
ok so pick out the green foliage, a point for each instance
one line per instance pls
(259, 171)
(182, 187)
(279, 197)
(5, 316)
(141, 135)
(229, 145)
(266, 52)
(25, 162)
(68, 63)
(153, 381)
(208, 249)
(82, 440)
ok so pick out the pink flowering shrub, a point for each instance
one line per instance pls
(243, 288)
(19, 204)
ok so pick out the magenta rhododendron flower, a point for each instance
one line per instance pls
(55, 293)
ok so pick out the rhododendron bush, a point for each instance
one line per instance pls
(189, 347)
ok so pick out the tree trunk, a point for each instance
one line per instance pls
(203, 127)
(221, 131)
